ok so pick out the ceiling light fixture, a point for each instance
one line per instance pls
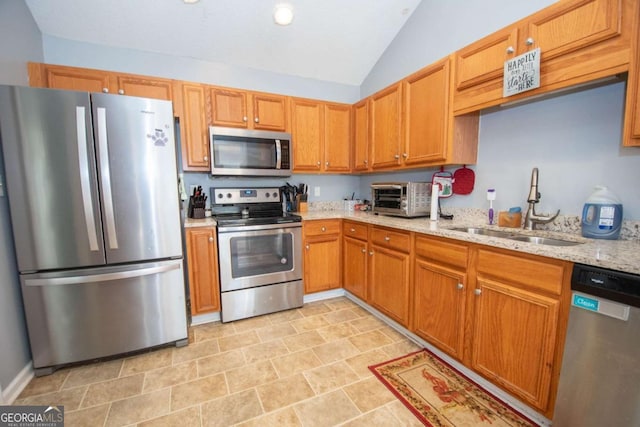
(190, 1)
(283, 14)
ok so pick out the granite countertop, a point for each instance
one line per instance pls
(621, 255)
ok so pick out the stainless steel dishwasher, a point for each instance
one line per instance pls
(600, 376)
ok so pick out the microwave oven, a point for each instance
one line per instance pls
(408, 199)
(243, 152)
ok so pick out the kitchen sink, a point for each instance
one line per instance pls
(484, 231)
(538, 240)
(544, 241)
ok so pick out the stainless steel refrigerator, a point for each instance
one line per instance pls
(92, 186)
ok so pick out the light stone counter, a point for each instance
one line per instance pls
(621, 255)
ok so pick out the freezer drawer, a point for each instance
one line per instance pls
(87, 314)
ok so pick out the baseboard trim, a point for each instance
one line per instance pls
(201, 319)
(319, 296)
(13, 390)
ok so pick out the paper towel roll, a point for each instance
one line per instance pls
(435, 189)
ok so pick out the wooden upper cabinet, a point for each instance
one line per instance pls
(69, 78)
(360, 140)
(579, 41)
(426, 107)
(250, 110)
(306, 133)
(337, 137)
(386, 119)
(89, 80)
(321, 134)
(194, 128)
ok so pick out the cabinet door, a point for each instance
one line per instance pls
(337, 137)
(307, 124)
(484, 60)
(389, 283)
(194, 130)
(269, 112)
(354, 264)
(202, 263)
(385, 127)
(145, 87)
(361, 136)
(439, 297)
(229, 108)
(514, 339)
(322, 263)
(78, 79)
(426, 103)
(568, 26)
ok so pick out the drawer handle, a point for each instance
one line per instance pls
(307, 247)
(323, 229)
(353, 230)
(364, 251)
(387, 238)
(211, 239)
(371, 253)
(460, 286)
(477, 291)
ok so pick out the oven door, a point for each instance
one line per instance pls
(259, 255)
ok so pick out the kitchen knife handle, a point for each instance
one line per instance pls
(105, 173)
(85, 181)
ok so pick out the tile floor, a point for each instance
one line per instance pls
(304, 367)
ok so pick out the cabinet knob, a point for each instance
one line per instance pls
(460, 286)
(510, 50)
(353, 230)
(211, 239)
(326, 163)
(364, 251)
(318, 163)
(371, 253)
(205, 158)
(323, 229)
(387, 238)
(121, 91)
(105, 90)
(245, 118)
(307, 247)
(529, 41)
(477, 291)
(405, 155)
(366, 162)
(257, 120)
(397, 156)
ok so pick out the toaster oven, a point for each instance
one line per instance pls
(407, 199)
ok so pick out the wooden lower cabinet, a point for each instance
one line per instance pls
(355, 258)
(322, 255)
(202, 265)
(389, 273)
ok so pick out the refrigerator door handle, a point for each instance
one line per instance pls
(105, 174)
(85, 182)
(77, 280)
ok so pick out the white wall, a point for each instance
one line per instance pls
(79, 54)
(574, 139)
(21, 43)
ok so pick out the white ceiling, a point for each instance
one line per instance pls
(333, 40)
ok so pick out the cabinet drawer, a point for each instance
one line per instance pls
(537, 273)
(355, 230)
(441, 251)
(320, 227)
(391, 239)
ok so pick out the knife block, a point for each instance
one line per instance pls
(196, 208)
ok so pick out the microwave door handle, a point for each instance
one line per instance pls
(386, 186)
(278, 154)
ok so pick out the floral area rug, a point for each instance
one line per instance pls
(440, 396)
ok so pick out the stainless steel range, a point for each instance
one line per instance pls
(260, 252)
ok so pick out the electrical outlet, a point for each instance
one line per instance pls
(316, 191)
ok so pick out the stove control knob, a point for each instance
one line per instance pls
(228, 195)
(220, 196)
(267, 195)
(275, 195)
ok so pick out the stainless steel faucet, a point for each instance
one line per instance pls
(531, 218)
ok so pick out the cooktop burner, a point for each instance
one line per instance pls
(249, 206)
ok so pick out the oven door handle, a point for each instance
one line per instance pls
(283, 226)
